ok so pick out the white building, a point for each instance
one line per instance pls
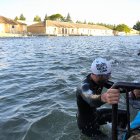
(58, 28)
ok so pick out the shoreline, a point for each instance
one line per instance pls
(8, 35)
(12, 35)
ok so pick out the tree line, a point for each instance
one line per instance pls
(59, 17)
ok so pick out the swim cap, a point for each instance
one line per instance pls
(100, 66)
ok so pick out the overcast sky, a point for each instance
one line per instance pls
(106, 11)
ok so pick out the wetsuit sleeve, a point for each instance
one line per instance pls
(90, 96)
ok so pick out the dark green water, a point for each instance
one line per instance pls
(39, 75)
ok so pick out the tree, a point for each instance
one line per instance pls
(122, 28)
(46, 17)
(22, 17)
(107, 25)
(68, 18)
(37, 18)
(137, 26)
(78, 21)
(85, 22)
(58, 17)
(90, 23)
(16, 18)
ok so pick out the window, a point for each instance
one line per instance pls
(62, 30)
(72, 31)
(65, 31)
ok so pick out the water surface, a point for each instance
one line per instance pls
(39, 75)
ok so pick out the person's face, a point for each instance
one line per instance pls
(102, 79)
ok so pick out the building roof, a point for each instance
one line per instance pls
(9, 21)
(74, 25)
(40, 24)
(20, 23)
(27, 22)
(59, 24)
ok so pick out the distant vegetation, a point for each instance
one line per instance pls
(16, 18)
(56, 17)
(107, 25)
(37, 18)
(122, 28)
(137, 26)
(20, 18)
(59, 17)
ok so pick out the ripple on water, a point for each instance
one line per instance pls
(14, 128)
(39, 76)
(53, 126)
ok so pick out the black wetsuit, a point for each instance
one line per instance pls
(89, 117)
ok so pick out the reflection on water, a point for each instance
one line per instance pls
(39, 76)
